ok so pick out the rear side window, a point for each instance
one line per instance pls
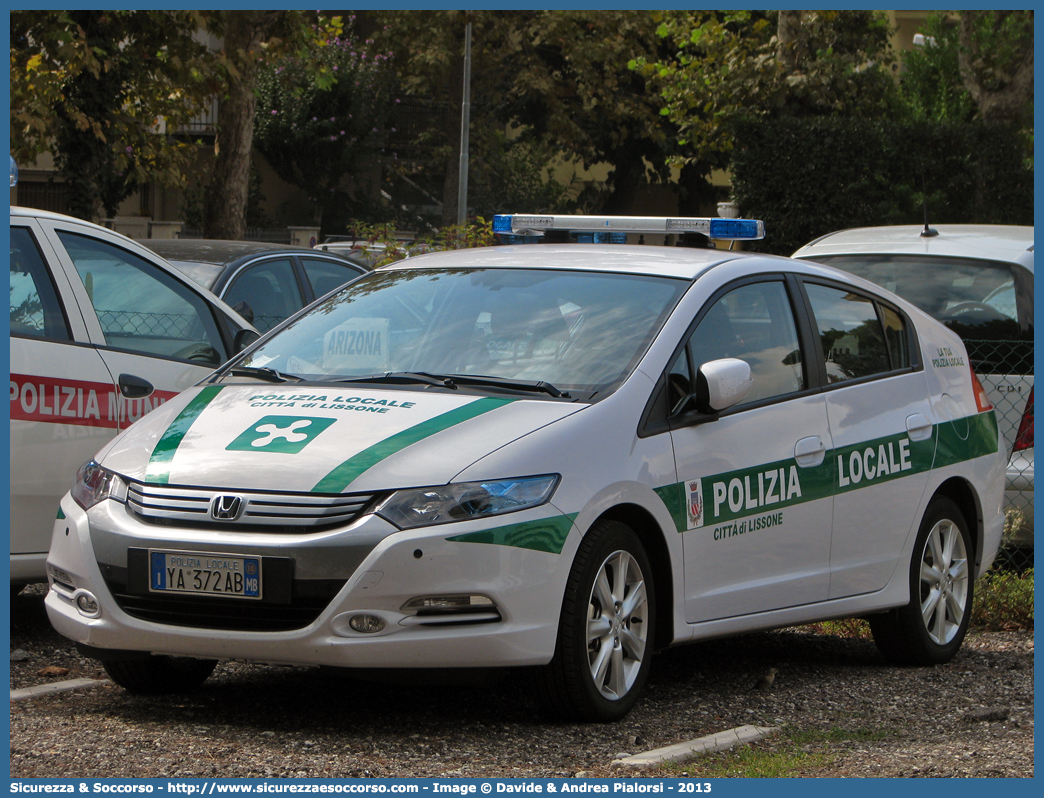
(325, 275)
(140, 307)
(977, 299)
(35, 309)
(265, 294)
(851, 334)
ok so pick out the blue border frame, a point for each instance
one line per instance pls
(740, 787)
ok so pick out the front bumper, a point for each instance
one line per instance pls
(374, 569)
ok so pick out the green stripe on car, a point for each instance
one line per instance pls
(158, 470)
(344, 474)
(981, 440)
(547, 534)
(774, 486)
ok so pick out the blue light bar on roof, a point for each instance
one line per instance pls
(723, 229)
(737, 229)
(600, 238)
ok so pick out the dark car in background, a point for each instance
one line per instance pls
(266, 283)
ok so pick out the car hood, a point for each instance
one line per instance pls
(318, 439)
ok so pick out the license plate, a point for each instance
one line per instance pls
(204, 573)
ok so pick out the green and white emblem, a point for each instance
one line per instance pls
(280, 434)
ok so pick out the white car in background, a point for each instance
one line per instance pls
(102, 332)
(555, 456)
(978, 281)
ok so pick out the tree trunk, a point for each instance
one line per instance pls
(627, 177)
(1003, 93)
(226, 202)
(788, 40)
(695, 192)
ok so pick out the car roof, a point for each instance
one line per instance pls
(988, 241)
(38, 213)
(682, 262)
(214, 251)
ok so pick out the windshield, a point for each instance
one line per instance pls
(978, 299)
(580, 331)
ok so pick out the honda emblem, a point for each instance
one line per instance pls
(226, 508)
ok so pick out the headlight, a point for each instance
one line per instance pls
(94, 483)
(464, 501)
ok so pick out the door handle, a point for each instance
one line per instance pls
(919, 427)
(810, 451)
(135, 387)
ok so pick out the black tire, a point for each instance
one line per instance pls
(930, 629)
(159, 675)
(619, 638)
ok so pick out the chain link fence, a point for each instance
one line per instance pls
(176, 326)
(1005, 369)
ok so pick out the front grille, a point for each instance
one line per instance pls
(165, 504)
(308, 598)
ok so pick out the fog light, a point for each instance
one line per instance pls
(366, 624)
(87, 604)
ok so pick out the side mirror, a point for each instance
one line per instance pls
(243, 339)
(720, 384)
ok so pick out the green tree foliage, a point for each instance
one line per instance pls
(931, 85)
(320, 135)
(105, 91)
(787, 172)
(516, 175)
(555, 80)
(98, 88)
(977, 65)
(996, 63)
(248, 40)
(429, 61)
(732, 64)
(569, 85)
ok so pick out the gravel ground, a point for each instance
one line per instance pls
(843, 712)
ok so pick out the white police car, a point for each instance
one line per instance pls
(560, 456)
(102, 332)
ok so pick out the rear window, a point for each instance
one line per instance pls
(977, 299)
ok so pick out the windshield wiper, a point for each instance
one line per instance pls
(261, 372)
(452, 381)
(402, 377)
(532, 386)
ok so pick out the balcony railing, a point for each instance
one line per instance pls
(203, 125)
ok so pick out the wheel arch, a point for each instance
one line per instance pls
(651, 535)
(961, 493)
